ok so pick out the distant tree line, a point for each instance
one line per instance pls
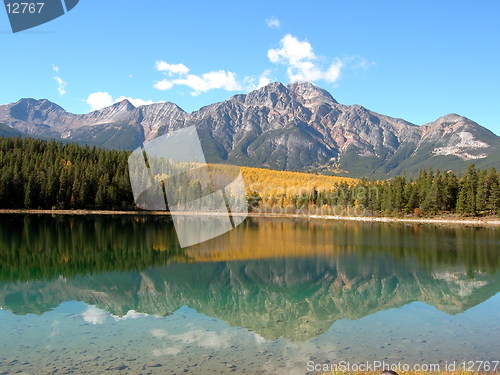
(51, 175)
(476, 192)
(40, 174)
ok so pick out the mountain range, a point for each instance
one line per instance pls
(298, 127)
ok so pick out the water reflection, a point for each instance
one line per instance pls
(289, 279)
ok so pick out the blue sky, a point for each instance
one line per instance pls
(415, 60)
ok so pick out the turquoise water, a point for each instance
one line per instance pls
(87, 295)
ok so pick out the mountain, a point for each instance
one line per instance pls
(298, 127)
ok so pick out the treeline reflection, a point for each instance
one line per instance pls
(34, 247)
(45, 247)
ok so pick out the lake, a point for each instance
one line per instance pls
(89, 294)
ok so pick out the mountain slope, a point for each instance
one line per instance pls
(298, 127)
(6, 131)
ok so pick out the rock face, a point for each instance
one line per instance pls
(296, 127)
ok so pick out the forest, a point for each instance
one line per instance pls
(474, 193)
(39, 174)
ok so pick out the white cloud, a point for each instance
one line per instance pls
(360, 62)
(252, 83)
(170, 69)
(93, 315)
(301, 61)
(100, 99)
(292, 51)
(135, 101)
(296, 55)
(199, 337)
(212, 80)
(264, 79)
(163, 85)
(131, 314)
(61, 85)
(199, 83)
(273, 23)
(308, 71)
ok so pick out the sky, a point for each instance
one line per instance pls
(414, 60)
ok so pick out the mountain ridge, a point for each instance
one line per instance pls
(298, 127)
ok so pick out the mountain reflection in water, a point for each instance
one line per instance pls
(308, 274)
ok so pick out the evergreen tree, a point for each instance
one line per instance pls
(29, 193)
(494, 195)
(483, 190)
(466, 203)
(450, 192)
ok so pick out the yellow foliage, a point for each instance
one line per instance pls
(271, 183)
(267, 182)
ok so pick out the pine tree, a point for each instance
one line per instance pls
(450, 191)
(466, 203)
(399, 200)
(29, 193)
(100, 197)
(313, 196)
(494, 196)
(483, 191)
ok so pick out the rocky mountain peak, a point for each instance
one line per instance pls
(449, 123)
(165, 114)
(274, 86)
(309, 92)
(116, 110)
(272, 95)
(124, 104)
(29, 109)
(34, 104)
(451, 118)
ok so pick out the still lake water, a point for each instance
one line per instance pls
(87, 295)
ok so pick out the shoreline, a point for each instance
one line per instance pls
(376, 219)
